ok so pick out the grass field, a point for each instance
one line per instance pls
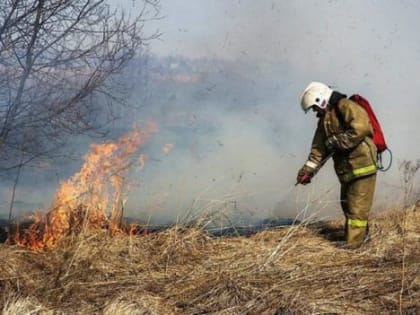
(300, 269)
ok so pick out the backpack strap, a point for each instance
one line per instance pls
(339, 114)
(335, 98)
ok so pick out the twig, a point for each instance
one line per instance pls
(403, 269)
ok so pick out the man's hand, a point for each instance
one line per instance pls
(304, 175)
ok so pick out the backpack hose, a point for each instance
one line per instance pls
(381, 166)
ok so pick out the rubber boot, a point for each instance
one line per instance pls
(355, 236)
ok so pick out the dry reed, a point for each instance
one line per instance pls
(293, 270)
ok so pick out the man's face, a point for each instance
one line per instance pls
(319, 111)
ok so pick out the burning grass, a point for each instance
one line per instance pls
(291, 270)
(79, 260)
(93, 197)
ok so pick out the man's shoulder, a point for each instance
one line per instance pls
(346, 104)
(350, 108)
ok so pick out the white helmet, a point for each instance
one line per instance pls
(316, 94)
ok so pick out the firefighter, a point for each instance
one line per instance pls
(345, 133)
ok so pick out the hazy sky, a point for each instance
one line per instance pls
(369, 47)
(364, 46)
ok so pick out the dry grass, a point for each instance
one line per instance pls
(294, 270)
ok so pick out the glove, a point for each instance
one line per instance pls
(304, 175)
(332, 144)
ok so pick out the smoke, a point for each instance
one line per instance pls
(223, 85)
(232, 133)
(368, 47)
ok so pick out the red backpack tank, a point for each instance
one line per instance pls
(378, 135)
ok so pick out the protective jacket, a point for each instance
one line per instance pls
(348, 124)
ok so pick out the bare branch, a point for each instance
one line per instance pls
(57, 58)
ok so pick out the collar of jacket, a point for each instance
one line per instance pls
(335, 98)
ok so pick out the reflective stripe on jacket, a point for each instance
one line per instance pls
(356, 155)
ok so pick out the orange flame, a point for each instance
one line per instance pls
(93, 197)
